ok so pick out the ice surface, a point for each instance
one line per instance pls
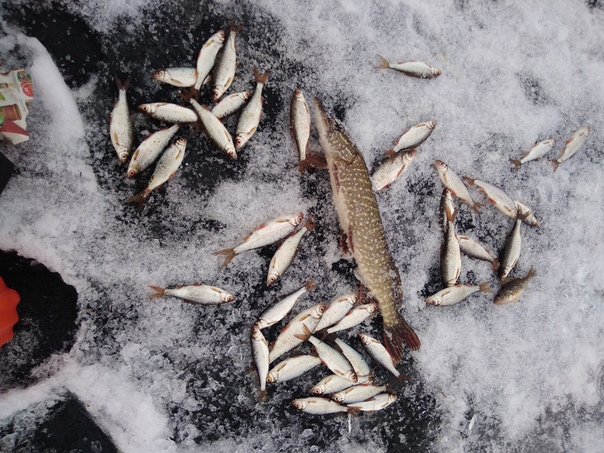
(167, 376)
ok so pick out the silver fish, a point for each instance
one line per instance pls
(166, 166)
(355, 317)
(511, 251)
(299, 121)
(331, 358)
(357, 393)
(572, 145)
(455, 184)
(121, 129)
(287, 252)
(415, 136)
(178, 77)
(359, 364)
(265, 234)
(292, 368)
(337, 309)
(526, 214)
(215, 130)
(260, 353)
(450, 256)
(250, 115)
(169, 113)
(455, 294)
(225, 69)
(447, 209)
(318, 406)
(330, 384)
(411, 68)
(496, 196)
(149, 150)
(290, 335)
(230, 104)
(378, 402)
(195, 294)
(379, 353)
(391, 169)
(473, 249)
(513, 289)
(539, 150)
(280, 310)
(207, 57)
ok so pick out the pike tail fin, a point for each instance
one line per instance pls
(395, 336)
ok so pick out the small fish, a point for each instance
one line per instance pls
(337, 309)
(415, 136)
(169, 113)
(391, 169)
(319, 406)
(379, 353)
(260, 353)
(331, 358)
(287, 252)
(250, 115)
(495, 195)
(513, 289)
(572, 145)
(225, 69)
(539, 150)
(292, 368)
(299, 123)
(378, 402)
(149, 150)
(455, 294)
(121, 129)
(411, 68)
(355, 317)
(357, 393)
(455, 184)
(447, 209)
(215, 130)
(178, 77)
(359, 364)
(265, 234)
(230, 104)
(280, 310)
(166, 166)
(450, 255)
(330, 384)
(526, 214)
(511, 251)
(207, 57)
(289, 337)
(195, 294)
(473, 249)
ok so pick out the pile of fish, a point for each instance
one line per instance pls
(350, 385)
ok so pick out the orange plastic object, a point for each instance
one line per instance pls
(9, 299)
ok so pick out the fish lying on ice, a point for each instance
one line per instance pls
(417, 69)
(121, 129)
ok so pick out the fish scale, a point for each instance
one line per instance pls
(360, 220)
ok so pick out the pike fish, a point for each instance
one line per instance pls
(572, 145)
(411, 68)
(360, 220)
(121, 129)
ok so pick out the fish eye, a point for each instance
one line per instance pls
(353, 377)
(337, 398)
(246, 94)
(316, 390)
(158, 74)
(131, 173)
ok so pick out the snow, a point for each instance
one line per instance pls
(168, 376)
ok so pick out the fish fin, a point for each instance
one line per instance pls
(390, 154)
(475, 207)
(234, 27)
(310, 224)
(313, 160)
(451, 215)
(305, 335)
(395, 383)
(395, 335)
(118, 82)
(531, 272)
(158, 292)
(517, 164)
(556, 164)
(229, 255)
(468, 180)
(310, 285)
(495, 264)
(139, 198)
(263, 397)
(343, 243)
(484, 287)
(385, 63)
(260, 78)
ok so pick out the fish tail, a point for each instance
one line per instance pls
(484, 287)
(390, 154)
(234, 27)
(139, 198)
(517, 164)
(314, 160)
(159, 292)
(396, 382)
(310, 225)
(260, 78)
(229, 255)
(531, 273)
(556, 164)
(495, 264)
(385, 63)
(475, 207)
(354, 410)
(395, 336)
(468, 180)
(263, 396)
(310, 285)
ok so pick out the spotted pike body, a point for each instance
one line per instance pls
(361, 222)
